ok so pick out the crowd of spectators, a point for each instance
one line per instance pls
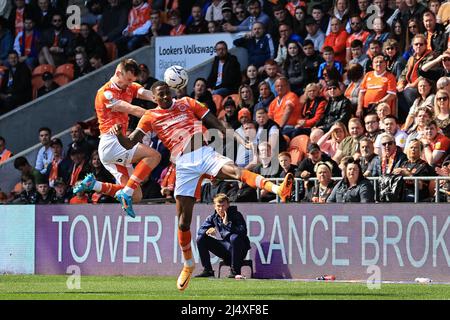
(364, 85)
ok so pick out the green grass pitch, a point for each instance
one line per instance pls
(163, 288)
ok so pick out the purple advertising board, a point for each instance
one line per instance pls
(291, 241)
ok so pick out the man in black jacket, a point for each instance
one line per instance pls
(438, 39)
(114, 20)
(224, 233)
(16, 86)
(225, 75)
(339, 108)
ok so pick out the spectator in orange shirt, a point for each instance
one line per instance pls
(138, 26)
(175, 21)
(285, 108)
(377, 86)
(337, 40)
(5, 154)
(435, 145)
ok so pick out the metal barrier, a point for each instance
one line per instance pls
(437, 188)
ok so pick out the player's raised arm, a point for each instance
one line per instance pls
(125, 107)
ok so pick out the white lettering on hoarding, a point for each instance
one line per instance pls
(129, 238)
(440, 241)
(100, 245)
(420, 220)
(323, 220)
(276, 230)
(75, 256)
(335, 240)
(152, 239)
(60, 220)
(293, 234)
(256, 239)
(369, 240)
(392, 241)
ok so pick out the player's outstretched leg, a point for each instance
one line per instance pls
(85, 185)
(184, 209)
(284, 191)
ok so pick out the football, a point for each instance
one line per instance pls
(176, 77)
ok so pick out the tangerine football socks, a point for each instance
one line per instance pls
(257, 181)
(141, 172)
(184, 240)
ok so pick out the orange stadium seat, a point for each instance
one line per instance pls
(111, 51)
(298, 147)
(36, 76)
(64, 74)
(217, 98)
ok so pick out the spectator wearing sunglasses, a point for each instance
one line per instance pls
(391, 156)
(436, 68)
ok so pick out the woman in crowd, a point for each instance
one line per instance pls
(398, 33)
(299, 26)
(355, 74)
(413, 30)
(329, 142)
(330, 74)
(442, 111)
(82, 65)
(353, 187)
(246, 99)
(394, 59)
(252, 78)
(311, 112)
(321, 190)
(423, 116)
(202, 94)
(264, 99)
(425, 98)
(293, 67)
(415, 167)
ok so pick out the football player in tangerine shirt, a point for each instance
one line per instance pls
(179, 125)
(113, 106)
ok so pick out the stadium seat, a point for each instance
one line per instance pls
(298, 148)
(36, 77)
(64, 74)
(111, 51)
(245, 263)
(217, 98)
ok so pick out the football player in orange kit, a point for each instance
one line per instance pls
(113, 105)
(180, 125)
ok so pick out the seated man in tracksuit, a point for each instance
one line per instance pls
(224, 233)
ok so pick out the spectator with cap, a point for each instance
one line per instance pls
(60, 166)
(80, 167)
(314, 33)
(45, 194)
(228, 15)
(338, 108)
(49, 84)
(225, 75)
(198, 24)
(62, 192)
(314, 156)
(229, 114)
(5, 154)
